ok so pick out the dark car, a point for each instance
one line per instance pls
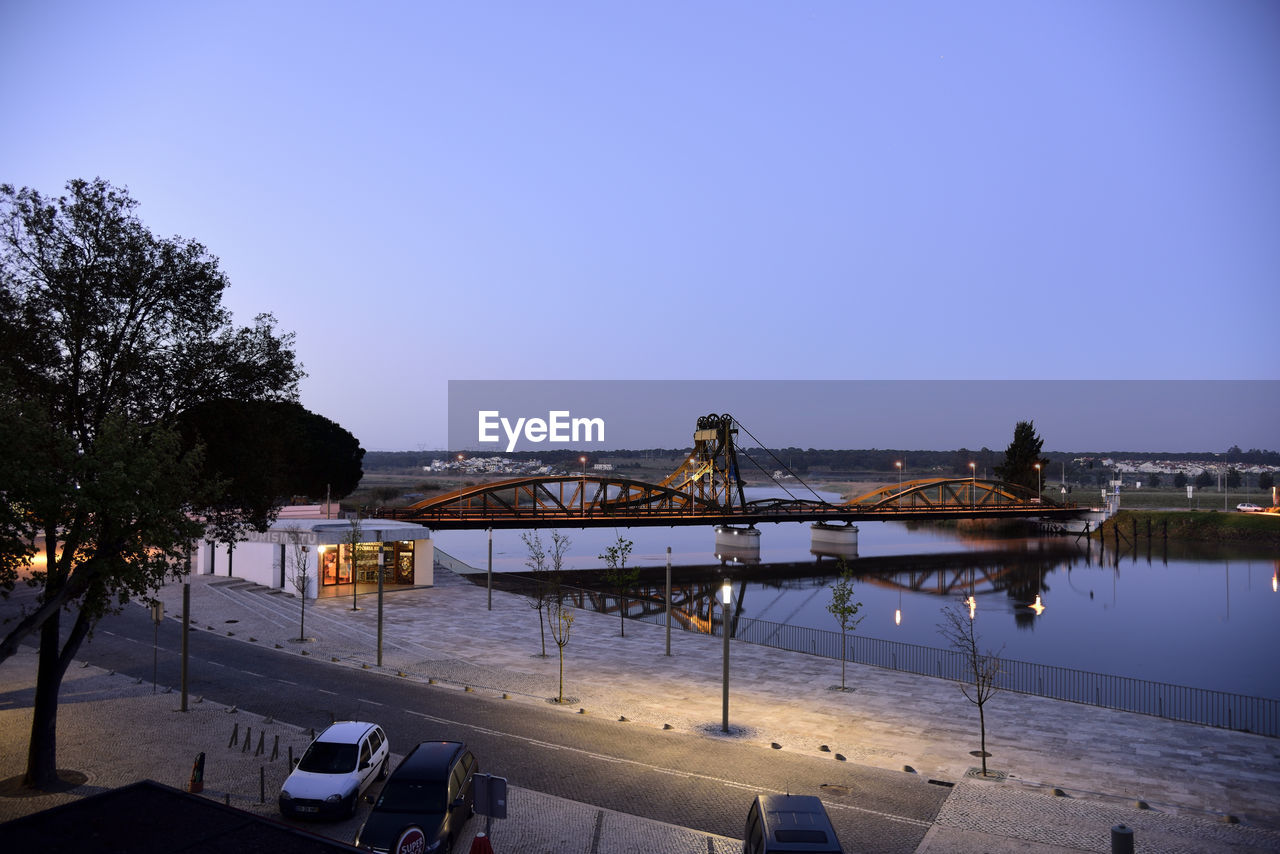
(432, 790)
(792, 823)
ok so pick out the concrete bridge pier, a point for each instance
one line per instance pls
(828, 540)
(738, 545)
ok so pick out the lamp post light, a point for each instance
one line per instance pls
(973, 483)
(726, 597)
(582, 501)
(1038, 481)
(899, 465)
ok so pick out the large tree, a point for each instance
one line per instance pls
(108, 333)
(265, 452)
(1022, 457)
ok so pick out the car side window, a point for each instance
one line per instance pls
(375, 740)
(455, 781)
(365, 753)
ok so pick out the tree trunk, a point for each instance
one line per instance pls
(542, 632)
(561, 698)
(843, 651)
(982, 728)
(622, 618)
(42, 752)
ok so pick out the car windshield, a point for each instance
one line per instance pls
(327, 757)
(412, 796)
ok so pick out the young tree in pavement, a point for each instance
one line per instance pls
(843, 607)
(561, 619)
(1022, 456)
(107, 333)
(981, 668)
(537, 563)
(618, 576)
(301, 578)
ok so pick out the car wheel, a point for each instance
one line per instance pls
(384, 770)
(355, 804)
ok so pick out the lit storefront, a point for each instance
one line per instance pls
(316, 555)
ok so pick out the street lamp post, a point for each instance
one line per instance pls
(582, 501)
(973, 484)
(726, 597)
(1038, 481)
(899, 465)
(382, 562)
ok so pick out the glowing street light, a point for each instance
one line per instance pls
(726, 597)
(973, 606)
(1037, 481)
(973, 483)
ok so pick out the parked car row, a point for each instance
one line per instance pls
(431, 794)
(432, 790)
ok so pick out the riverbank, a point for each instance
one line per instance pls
(1202, 526)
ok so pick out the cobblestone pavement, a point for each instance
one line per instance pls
(1180, 787)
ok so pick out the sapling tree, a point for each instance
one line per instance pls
(352, 539)
(982, 669)
(618, 576)
(561, 619)
(537, 563)
(301, 578)
(546, 568)
(843, 607)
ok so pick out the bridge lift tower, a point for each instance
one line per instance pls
(711, 473)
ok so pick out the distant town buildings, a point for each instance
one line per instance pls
(502, 465)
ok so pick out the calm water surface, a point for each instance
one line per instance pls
(1209, 619)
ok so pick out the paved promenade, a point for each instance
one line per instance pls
(1068, 773)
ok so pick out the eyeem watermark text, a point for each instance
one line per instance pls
(558, 427)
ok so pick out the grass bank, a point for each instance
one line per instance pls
(1206, 526)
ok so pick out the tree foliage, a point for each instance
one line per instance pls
(1022, 456)
(108, 334)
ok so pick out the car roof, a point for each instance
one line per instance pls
(430, 760)
(345, 732)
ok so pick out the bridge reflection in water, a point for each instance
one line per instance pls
(1016, 579)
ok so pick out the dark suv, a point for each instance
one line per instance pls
(792, 823)
(432, 790)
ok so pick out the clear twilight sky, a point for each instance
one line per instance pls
(436, 191)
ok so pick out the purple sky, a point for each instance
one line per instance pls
(425, 192)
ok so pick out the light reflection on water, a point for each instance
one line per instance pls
(1209, 621)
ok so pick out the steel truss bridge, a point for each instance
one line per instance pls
(707, 489)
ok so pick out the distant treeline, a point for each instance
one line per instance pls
(805, 460)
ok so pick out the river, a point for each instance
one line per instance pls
(1183, 614)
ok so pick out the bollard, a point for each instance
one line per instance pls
(196, 786)
(262, 737)
(275, 749)
(262, 785)
(248, 737)
(1121, 839)
(235, 735)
